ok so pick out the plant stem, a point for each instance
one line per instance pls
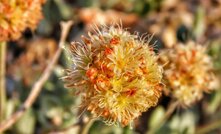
(172, 106)
(87, 126)
(209, 127)
(2, 79)
(37, 87)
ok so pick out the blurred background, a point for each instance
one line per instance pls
(55, 110)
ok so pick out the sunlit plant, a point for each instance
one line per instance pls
(188, 72)
(17, 15)
(116, 73)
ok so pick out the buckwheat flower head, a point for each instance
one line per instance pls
(17, 15)
(117, 74)
(188, 72)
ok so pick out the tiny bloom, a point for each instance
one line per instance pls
(117, 74)
(17, 15)
(188, 72)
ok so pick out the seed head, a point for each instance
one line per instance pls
(188, 72)
(117, 74)
(17, 15)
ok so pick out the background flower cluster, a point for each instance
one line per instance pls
(186, 39)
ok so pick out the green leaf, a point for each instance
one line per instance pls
(184, 123)
(10, 107)
(199, 23)
(215, 102)
(127, 130)
(26, 124)
(156, 117)
(101, 128)
(64, 9)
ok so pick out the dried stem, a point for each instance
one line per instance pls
(37, 87)
(209, 127)
(2, 79)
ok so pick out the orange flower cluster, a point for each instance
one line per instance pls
(116, 73)
(188, 72)
(17, 15)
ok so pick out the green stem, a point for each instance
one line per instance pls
(2, 79)
(209, 127)
(87, 126)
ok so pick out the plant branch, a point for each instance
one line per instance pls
(209, 127)
(2, 79)
(87, 126)
(37, 87)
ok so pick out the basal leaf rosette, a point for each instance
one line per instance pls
(116, 73)
(188, 72)
(17, 15)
